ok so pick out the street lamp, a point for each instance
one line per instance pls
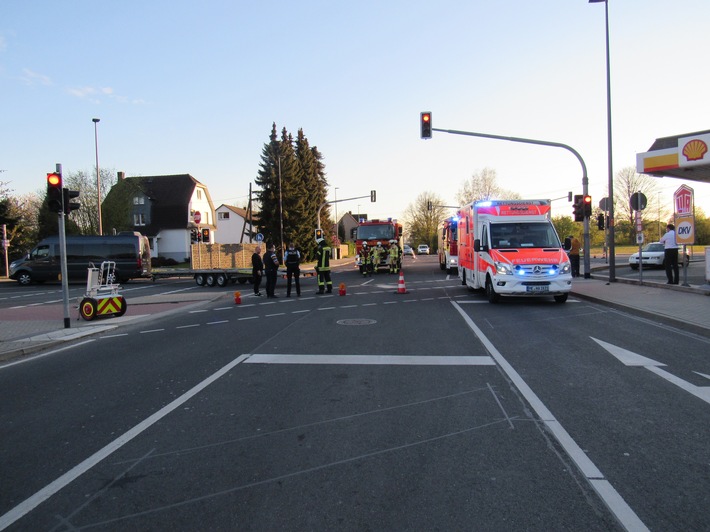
(337, 235)
(281, 213)
(98, 175)
(610, 201)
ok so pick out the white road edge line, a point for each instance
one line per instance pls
(608, 494)
(45, 493)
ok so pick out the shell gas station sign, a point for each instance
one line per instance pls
(690, 152)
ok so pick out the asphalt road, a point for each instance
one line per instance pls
(427, 410)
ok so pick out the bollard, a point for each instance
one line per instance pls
(342, 289)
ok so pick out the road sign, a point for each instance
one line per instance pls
(259, 237)
(638, 201)
(197, 217)
(683, 200)
(603, 204)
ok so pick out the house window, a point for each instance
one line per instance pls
(139, 219)
(199, 194)
(223, 216)
(139, 200)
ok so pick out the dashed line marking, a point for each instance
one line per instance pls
(217, 322)
(188, 326)
(152, 331)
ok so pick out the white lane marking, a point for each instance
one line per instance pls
(45, 493)
(217, 322)
(248, 318)
(188, 326)
(615, 502)
(48, 353)
(197, 311)
(390, 360)
(113, 336)
(151, 331)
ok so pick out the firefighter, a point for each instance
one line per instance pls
(393, 256)
(365, 260)
(323, 267)
(377, 253)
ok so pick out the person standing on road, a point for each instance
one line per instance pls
(271, 267)
(670, 254)
(257, 270)
(574, 248)
(323, 267)
(292, 259)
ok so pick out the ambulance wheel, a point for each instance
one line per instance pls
(87, 309)
(222, 280)
(561, 298)
(463, 277)
(124, 305)
(200, 279)
(490, 292)
(210, 280)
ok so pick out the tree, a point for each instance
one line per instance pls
(626, 184)
(423, 224)
(483, 186)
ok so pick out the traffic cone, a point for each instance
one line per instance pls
(401, 288)
(237, 298)
(341, 290)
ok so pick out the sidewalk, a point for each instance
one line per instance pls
(24, 331)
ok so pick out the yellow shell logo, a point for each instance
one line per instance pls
(695, 150)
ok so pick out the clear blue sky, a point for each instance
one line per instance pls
(193, 87)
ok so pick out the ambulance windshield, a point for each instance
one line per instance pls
(524, 235)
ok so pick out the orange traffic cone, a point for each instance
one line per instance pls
(342, 289)
(237, 298)
(401, 288)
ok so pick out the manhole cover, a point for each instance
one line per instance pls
(361, 321)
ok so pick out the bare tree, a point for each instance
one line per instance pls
(627, 183)
(420, 223)
(483, 186)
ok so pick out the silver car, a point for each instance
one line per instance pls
(652, 256)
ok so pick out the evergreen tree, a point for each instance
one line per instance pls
(315, 186)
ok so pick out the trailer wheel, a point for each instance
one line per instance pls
(222, 280)
(210, 280)
(242, 280)
(491, 292)
(200, 279)
(87, 309)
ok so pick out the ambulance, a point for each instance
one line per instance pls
(511, 248)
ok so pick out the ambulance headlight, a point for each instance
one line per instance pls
(566, 267)
(503, 269)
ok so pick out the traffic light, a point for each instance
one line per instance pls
(600, 221)
(587, 206)
(425, 119)
(206, 235)
(578, 208)
(373, 196)
(319, 233)
(429, 206)
(54, 192)
(67, 197)
(194, 236)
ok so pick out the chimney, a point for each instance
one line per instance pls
(121, 176)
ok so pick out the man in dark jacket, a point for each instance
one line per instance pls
(257, 270)
(292, 259)
(271, 267)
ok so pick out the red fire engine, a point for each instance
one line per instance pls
(374, 231)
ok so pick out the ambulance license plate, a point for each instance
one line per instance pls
(537, 288)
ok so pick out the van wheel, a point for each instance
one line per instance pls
(561, 298)
(24, 278)
(490, 292)
(222, 280)
(463, 276)
(200, 279)
(210, 280)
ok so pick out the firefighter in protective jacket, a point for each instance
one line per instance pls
(325, 284)
(393, 256)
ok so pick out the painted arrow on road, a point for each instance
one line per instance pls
(629, 358)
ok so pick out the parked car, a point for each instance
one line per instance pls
(423, 249)
(652, 256)
(407, 250)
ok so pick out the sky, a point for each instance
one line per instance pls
(194, 87)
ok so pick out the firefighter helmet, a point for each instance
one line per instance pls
(379, 244)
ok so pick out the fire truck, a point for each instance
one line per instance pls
(511, 248)
(448, 245)
(374, 231)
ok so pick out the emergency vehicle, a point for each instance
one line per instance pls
(448, 245)
(374, 231)
(511, 248)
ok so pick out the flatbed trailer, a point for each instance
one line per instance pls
(216, 276)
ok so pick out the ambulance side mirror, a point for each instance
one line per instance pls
(477, 245)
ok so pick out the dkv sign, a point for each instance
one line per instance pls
(684, 217)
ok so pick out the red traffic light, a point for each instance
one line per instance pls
(587, 206)
(54, 180)
(425, 125)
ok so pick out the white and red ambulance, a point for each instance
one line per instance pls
(511, 248)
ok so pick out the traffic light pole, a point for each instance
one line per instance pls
(585, 179)
(339, 201)
(63, 260)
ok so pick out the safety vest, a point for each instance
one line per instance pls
(323, 258)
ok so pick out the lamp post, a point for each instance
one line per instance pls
(98, 175)
(281, 213)
(610, 204)
(337, 235)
